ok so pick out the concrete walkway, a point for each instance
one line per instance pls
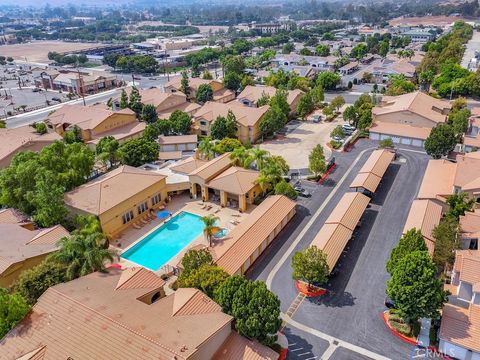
(424, 336)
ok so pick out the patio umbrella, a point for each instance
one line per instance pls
(163, 214)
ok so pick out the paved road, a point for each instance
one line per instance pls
(472, 46)
(351, 311)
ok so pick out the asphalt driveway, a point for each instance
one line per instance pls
(351, 310)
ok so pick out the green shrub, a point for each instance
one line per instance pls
(335, 144)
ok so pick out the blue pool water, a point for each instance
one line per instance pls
(158, 247)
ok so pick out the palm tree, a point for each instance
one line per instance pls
(209, 222)
(258, 157)
(207, 148)
(89, 225)
(238, 156)
(81, 255)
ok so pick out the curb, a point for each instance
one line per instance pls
(283, 354)
(327, 174)
(320, 292)
(395, 332)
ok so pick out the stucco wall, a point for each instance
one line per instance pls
(211, 346)
(12, 273)
(111, 220)
(406, 118)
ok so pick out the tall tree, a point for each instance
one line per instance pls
(206, 148)
(194, 259)
(446, 242)
(204, 93)
(257, 312)
(206, 278)
(441, 141)
(224, 127)
(316, 160)
(181, 122)
(123, 100)
(13, 308)
(224, 295)
(209, 222)
(135, 101)
(81, 255)
(184, 84)
(137, 152)
(310, 265)
(107, 150)
(411, 241)
(415, 288)
(149, 114)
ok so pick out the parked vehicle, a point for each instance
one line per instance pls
(304, 193)
(348, 127)
(331, 163)
(337, 139)
(57, 99)
(36, 90)
(316, 118)
(389, 303)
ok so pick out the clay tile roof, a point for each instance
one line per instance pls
(470, 222)
(349, 210)
(235, 180)
(237, 347)
(415, 102)
(138, 278)
(373, 170)
(332, 239)
(178, 139)
(193, 302)
(18, 243)
(88, 319)
(85, 117)
(461, 326)
(12, 216)
(37, 354)
(254, 93)
(424, 215)
(111, 189)
(213, 167)
(14, 139)
(415, 132)
(188, 165)
(438, 180)
(368, 181)
(252, 231)
(467, 175)
(246, 116)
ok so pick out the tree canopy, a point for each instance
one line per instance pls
(13, 308)
(316, 160)
(441, 141)
(224, 127)
(310, 265)
(206, 278)
(204, 93)
(328, 80)
(415, 289)
(137, 152)
(411, 241)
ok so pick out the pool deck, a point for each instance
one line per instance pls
(179, 203)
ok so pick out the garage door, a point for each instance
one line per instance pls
(168, 148)
(416, 142)
(182, 147)
(374, 136)
(406, 141)
(396, 139)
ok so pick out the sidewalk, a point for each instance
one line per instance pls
(424, 335)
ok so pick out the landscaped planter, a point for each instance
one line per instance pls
(312, 292)
(395, 332)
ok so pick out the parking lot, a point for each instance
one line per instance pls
(351, 310)
(300, 138)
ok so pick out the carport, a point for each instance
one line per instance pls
(338, 228)
(372, 171)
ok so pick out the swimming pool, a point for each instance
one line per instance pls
(158, 247)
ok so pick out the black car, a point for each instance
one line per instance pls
(57, 99)
(389, 303)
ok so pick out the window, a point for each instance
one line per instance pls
(142, 207)
(127, 216)
(156, 199)
(203, 123)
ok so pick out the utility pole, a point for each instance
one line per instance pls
(80, 87)
(133, 79)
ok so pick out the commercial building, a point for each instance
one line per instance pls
(21, 247)
(407, 119)
(252, 236)
(248, 119)
(420, 35)
(76, 82)
(119, 198)
(220, 93)
(340, 225)
(372, 171)
(460, 328)
(321, 63)
(126, 315)
(23, 138)
(96, 122)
